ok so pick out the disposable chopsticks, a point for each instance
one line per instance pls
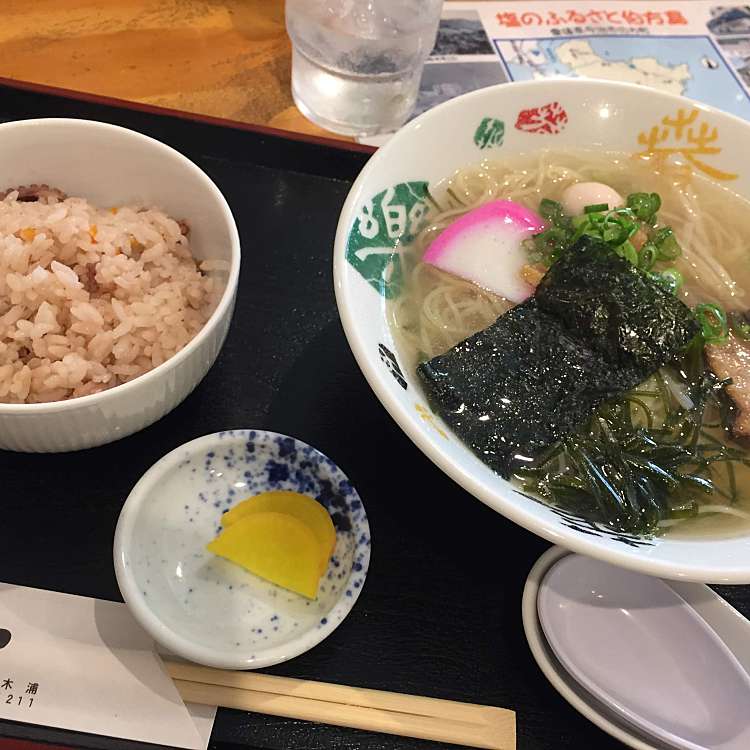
(375, 710)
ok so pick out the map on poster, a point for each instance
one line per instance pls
(687, 65)
(697, 49)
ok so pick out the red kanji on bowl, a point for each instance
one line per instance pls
(549, 118)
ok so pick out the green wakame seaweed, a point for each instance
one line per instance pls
(596, 327)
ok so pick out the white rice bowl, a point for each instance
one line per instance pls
(92, 297)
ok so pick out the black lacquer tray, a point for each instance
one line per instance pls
(440, 614)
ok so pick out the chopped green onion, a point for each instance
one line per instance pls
(625, 213)
(666, 244)
(618, 226)
(614, 227)
(647, 256)
(614, 234)
(713, 322)
(550, 243)
(558, 235)
(627, 251)
(644, 205)
(740, 326)
(670, 279)
(551, 210)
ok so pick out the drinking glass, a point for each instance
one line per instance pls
(356, 64)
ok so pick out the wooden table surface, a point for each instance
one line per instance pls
(226, 58)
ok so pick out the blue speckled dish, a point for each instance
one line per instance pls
(207, 609)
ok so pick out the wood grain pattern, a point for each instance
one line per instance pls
(225, 58)
(479, 726)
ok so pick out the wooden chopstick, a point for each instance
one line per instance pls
(339, 714)
(323, 691)
(361, 708)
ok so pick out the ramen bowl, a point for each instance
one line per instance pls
(392, 199)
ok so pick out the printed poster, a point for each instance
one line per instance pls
(696, 49)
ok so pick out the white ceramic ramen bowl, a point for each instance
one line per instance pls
(387, 204)
(109, 165)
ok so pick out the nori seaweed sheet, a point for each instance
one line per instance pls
(615, 307)
(595, 328)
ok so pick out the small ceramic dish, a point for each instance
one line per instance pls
(583, 701)
(718, 615)
(645, 653)
(211, 611)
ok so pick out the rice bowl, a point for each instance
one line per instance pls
(174, 293)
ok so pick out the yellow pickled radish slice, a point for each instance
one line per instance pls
(274, 546)
(302, 507)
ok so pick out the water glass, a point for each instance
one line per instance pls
(356, 64)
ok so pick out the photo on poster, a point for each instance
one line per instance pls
(729, 19)
(445, 80)
(461, 33)
(737, 51)
(687, 65)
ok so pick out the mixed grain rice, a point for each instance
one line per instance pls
(91, 297)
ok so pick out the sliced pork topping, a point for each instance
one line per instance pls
(732, 360)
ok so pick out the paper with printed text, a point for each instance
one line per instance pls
(86, 665)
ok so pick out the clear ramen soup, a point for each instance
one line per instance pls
(667, 454)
